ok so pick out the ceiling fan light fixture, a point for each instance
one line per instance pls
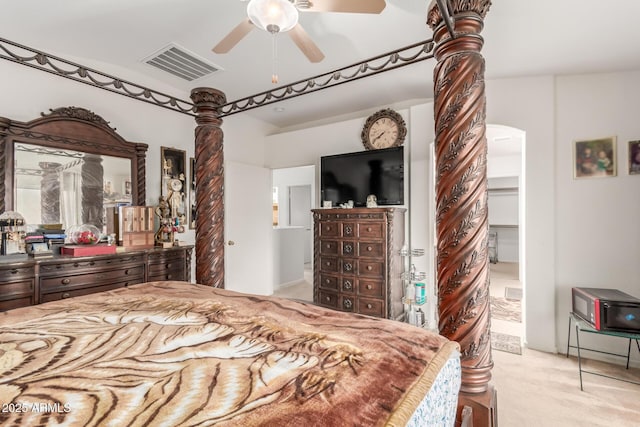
(273, 15)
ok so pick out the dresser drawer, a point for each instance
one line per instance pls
(175, 274)
(370, 249)
(347, 303)
(10, 304)
(161, 257)
(328, 299)
(371, 307)
(87, 265)
(167, 266)
(329, 264)
(349, 230)
(371, 268)
(329, 247)
(12, 289)
(17, 273)
(370, 230)
(348, 248)
(349, 266)
(348, 285)
(329, 229)
(56, 296)
(328, 282)
(371, 288)
(62, 282)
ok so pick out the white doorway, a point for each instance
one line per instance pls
(506, 204)
(300, 214)
(296, 190)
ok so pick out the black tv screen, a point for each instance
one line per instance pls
(354, 176)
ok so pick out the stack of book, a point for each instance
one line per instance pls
(36, 246)
(53, 235)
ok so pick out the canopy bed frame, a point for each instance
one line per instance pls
(461, 190)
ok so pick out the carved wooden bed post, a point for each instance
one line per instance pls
(209, 187)
(461, 196)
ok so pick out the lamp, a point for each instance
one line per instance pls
(273, 16)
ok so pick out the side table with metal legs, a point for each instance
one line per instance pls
(582, 326)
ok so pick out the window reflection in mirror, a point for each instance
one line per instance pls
(55, 186)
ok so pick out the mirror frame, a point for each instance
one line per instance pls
(69, 128)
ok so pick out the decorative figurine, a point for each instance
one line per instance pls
(372, 201)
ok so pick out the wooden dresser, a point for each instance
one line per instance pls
(357, 263)
(26, 281)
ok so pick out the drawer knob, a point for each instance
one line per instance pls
(66, 281)
(368, 228)
(126, 272)
(369, 267)
(369, 287)
(369, 248)
(347, 285)
(66, 295)
(328, 299)
(328, 281)
(169, 277)
(168, 265)
(328, 245)
(14, 271)
(369, 306)
(328, 228)
(75, 264)
(328, 262)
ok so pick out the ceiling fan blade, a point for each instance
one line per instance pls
(232, 39)
(305, 44)
(343, 6)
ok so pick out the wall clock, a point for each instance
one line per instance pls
(383, 129)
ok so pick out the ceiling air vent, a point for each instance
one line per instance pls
(181, 63)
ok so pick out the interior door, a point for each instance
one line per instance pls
(248, 229)
(300, 214)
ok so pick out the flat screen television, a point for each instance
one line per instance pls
(353, 176)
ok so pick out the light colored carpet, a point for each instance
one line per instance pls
(543, 389)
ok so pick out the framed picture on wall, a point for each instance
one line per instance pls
(634, 157)
(174, 185)
(192, 193)
(594, 158)
(173, 167)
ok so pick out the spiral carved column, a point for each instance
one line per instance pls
(461, 189)
(92, 175)
(50, 193)
(210, 187)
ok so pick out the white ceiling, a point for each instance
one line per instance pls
(522, 38)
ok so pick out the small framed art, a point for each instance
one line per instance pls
(634, 157)
(594, 158)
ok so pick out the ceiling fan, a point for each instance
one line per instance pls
(279, 16)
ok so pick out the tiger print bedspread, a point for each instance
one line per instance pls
(178, 354)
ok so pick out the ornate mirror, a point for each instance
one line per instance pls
(67, 167)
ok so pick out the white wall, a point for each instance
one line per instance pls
(597, 228)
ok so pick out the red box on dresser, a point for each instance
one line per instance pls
(88, 250)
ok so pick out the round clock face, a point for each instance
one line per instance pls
(384, 129)
(175, 185)
(383, 133)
